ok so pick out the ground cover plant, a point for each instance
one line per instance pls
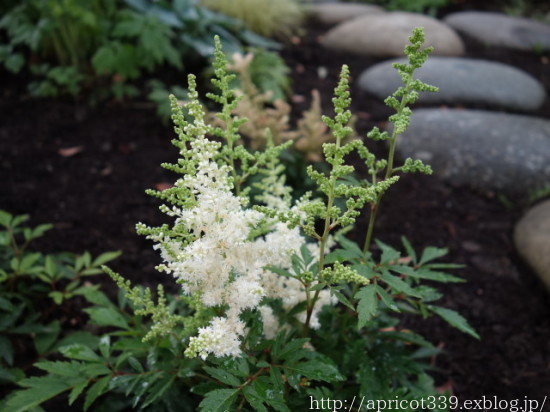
(277, 303)
(37, 297)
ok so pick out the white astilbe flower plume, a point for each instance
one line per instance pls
(220, 261)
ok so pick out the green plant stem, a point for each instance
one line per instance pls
(323, 242)
(389, 168)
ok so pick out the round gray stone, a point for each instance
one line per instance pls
(334, 13)
(385, 35)
(462, 81)
(496, 152)
(532, 240)
(496, 29)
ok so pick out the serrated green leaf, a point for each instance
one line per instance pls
(280, 272)
(454, 319)
(425, 273)
(387, 299)
(432, 253)
(367, 305)
(135, 364)
(79, 352)
(389, 254)
(82, 338)
(290, 347)
(106, 317)
(77, 390)
(94, 296)
(6, 350)
(158, 389)
(96, 390)
(397, 284)
(43, 341)
(105, 346)
(318, 369)
(409, 249)
(40, 390)
(219, 400)
(254, 399)
(341, 298)
(223, 376)
(11, 375)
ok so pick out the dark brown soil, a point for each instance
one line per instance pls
(96, 196)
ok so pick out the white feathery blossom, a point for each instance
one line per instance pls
(221, 263)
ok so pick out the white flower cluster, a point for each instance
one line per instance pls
(223, 265)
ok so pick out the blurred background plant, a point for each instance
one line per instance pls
(99, 49)
(278, 19)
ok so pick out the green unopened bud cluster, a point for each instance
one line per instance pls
(339, 273)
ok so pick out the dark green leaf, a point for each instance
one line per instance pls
(135, 364)
(425, 273)
(80, 352)
(40, 390)
(254, 398)
(367, 305)
(389, 254)
(219, 400)
(96, 390)
(5, 218)
(106, 317)
(43, 341)
(222, 376)
(290, 347)
(431, 253)
(106, 257)
(409, 249)
(318, 369)
(6, 350)
(387, 299)
(341, 298)
(397, 284)
(454, 319)
(77, 390)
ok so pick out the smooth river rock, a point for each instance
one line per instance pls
(334, 13)
(496, 152)
(385, 35)
(462, 81)
(532, 240)
(496, 29)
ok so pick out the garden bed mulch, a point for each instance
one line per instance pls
(85, 171)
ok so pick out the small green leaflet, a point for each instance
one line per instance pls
(454, 319)
(432, 253)
(367, 306)
(106, 317)
(222, 376)
(219, 400)
(397, 284)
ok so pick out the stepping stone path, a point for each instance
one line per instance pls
(532, 240)
(462, 81)
(385, 35)
(495, 29)
(499, 152)
(334, 13)
(492, 151)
